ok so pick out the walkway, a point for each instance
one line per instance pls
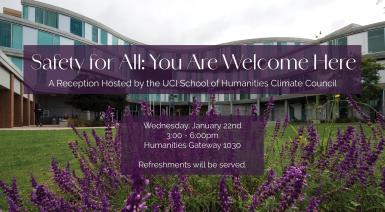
(45, 127)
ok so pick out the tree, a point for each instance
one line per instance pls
(370, 78)
(97, 102)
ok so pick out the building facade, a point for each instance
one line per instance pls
(43, 24)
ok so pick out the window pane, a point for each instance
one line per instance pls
(103, 37)
(342, 41)
(114, 40)
(51, 19)
(5, 34)
(376, 41)
(39, 15)
(55, 40)
(18, 62)
(76, 27)
(17, 36)
(94, 34)
(45, 38)
(244, 96)
(77, 43)
(25, 12)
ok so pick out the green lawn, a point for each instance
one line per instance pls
(26, 152)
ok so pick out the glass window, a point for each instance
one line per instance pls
(5, 34)
(46, 17)
(376, 40)
(94, 34)
(244, 96)
(77, 43)
(76, 27)
(25, 12)
(45, 38)
(342, 41)
(339, 41)
(51, 19)
(66, 41)
(64, 23)
(114, 40)
(17, 36)
(103, 37)
(39, 15)
(18, 62)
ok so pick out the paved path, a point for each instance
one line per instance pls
(45, 127)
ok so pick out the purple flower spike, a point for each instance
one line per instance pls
(196, 107)
(224, 197)
(313, 205)
(383, 180)
(268, 110)
(176, 200)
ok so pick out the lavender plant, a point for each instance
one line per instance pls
(347, 167)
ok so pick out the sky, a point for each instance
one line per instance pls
(220, 21)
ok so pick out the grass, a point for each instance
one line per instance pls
(26, 152)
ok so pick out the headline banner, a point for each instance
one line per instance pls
(302, 69)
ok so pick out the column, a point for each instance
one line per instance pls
(18, 111)
(32, 111)
(26, 112)
(7, 106)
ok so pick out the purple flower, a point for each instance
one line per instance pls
(355, 106)
(63, 178)
(383, 180)
(196, 107)
(276, 129)
(313, 205)
(285, 124)
(145, 108)
(213, 110)
(176, 200)
(136, 200)
(159, 192)
(254, 110)
(380, 119)
(349, 163)
(184, 183)
(268, 110)
(12, 206)
(12, 194)
(224, 197)
(372, 158)
(294, 145)
(238, 188)
(267, 189)
(47, 201)
(308, 150)
(292, 181)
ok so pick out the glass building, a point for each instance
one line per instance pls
(43, 24)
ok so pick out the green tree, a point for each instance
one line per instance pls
(97, 102)
(371, 91)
